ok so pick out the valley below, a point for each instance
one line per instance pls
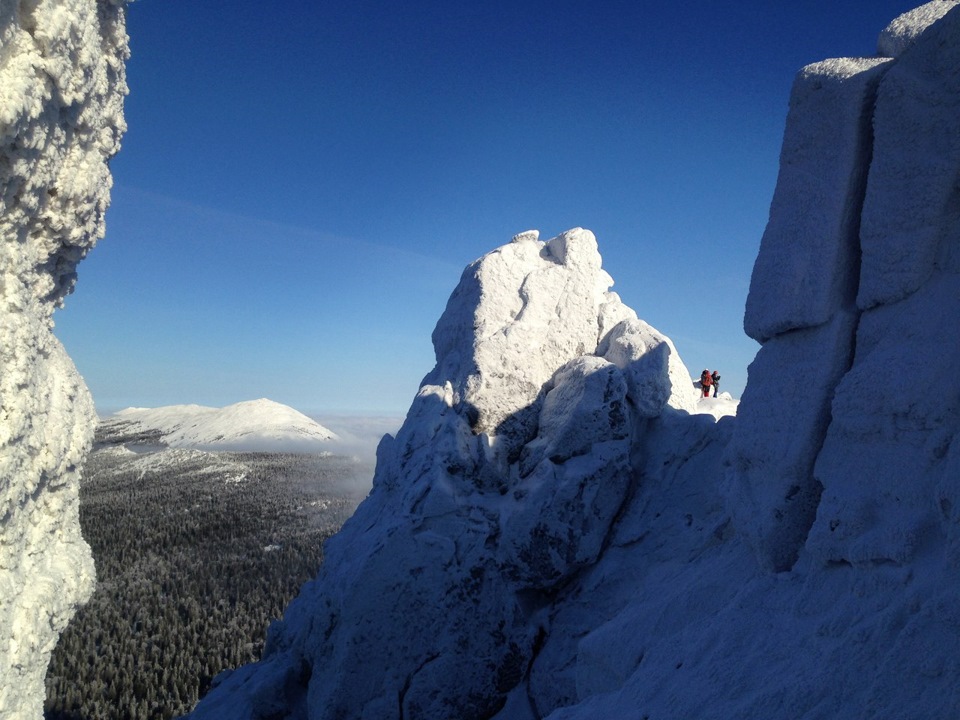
(196, 554)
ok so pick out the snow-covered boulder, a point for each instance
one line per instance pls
(574, 474)
(61, 98)
(656, 376)
(519, 313)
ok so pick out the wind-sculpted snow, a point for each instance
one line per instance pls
(61, 92)
(552, 533)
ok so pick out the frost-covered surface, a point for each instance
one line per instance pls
(809, 255)
(901, 33)
(252, 426)
(503, 484)
(915, 126)
(61, 98)
(560, 531)
(157, 462)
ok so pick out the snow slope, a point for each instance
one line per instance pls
(255, 425)
(61, 116)
(555, 532)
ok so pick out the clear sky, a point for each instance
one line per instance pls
(302, 182)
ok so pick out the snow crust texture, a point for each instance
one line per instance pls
(557, 532)
(61, 93)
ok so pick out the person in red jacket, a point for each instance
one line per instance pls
(706, 380)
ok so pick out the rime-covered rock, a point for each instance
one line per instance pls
(912, 196)
(553, 535)
(903, 31)
(573, 477)
(519, 313)
(656, 376)
(61, 98)
(810, 252)
(895, 411)
(503, 483)
(801, 305)
(781, 425)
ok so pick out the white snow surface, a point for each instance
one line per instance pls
(809, 253)
(61, 117)
(724, 405)
(560, 530)
(903, 31)
(903, 243)
(254, 425)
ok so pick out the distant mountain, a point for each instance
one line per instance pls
(254, 426)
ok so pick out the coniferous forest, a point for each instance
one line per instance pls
(196, 553)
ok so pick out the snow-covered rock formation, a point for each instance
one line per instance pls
(61, 98)
(502, 484)
(252, 426)
(553, 535)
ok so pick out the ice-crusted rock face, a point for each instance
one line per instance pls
(855, 277)
(904, 30)
(61, 94)
(250, 426)
(551, 536)
(517, 314)
(503, 483)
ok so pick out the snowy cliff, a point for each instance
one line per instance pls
(552, 534)
(501, 486)
(61, 98)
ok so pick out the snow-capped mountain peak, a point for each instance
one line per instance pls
(252, 425)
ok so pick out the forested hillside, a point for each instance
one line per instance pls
(196, 553)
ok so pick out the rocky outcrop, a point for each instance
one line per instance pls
(852, 283)
(503, 483)
(61, 92)
(897, 410)
(802, 304)
(552, 535)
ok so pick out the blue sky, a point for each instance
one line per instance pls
(303, 182)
